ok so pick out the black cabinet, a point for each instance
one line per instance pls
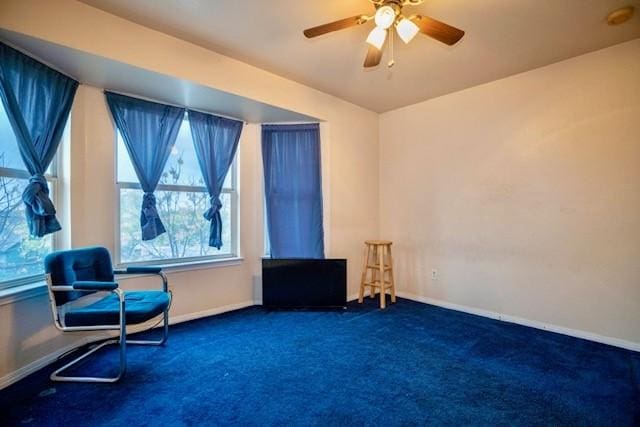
(304, 283)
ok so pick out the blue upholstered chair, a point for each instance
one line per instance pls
(84, 297)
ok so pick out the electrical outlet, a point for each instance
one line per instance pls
(434, 274)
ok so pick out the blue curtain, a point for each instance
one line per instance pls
(293, 190)
(215, 140)
(38, 101)
(149, 131)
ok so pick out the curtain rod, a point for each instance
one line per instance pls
(292, 123)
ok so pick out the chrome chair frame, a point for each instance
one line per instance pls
(121, 327)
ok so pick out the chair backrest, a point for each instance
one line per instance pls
(65, 267)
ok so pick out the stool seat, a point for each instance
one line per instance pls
(378, 242)
(377, 271)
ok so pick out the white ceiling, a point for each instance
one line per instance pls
(503, 37)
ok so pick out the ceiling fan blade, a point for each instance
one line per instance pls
(335, 26)
(438, 30)
(374, 56)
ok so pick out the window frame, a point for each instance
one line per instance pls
(234, 223)
(56, 240)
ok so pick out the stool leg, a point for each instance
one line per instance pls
(364, 275)
(374, 250)
(383, 292)
(392, 282)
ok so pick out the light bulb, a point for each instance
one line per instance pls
(385, 16)
(377, 37)
(407, 30)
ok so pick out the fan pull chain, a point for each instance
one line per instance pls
(392, 61)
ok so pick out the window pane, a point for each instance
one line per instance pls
(187, 231)
(182, 166)
(126, 173)
(227, 179)
(20, 255)
(9, 154)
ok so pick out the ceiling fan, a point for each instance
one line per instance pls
(389, 14)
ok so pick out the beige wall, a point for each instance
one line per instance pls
(524, 194)
(350, 139)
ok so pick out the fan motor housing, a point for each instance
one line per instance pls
(400, 3)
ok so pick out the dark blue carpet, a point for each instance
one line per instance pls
(410, 364)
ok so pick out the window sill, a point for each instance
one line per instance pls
(18, 293)
(187, 266)
(39, 287)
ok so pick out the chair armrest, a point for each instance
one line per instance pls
(139, 269)
(144, 269)
(85, 285)
(82, 285)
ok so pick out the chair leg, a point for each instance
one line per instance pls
(55, 376)
(162, 340)
(123, 341)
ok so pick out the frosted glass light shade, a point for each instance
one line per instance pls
(407, 30)
(385, 16)
(376, 37)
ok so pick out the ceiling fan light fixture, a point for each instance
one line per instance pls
(376, 37)
(388, 17)
(407, 30)
(385, 17)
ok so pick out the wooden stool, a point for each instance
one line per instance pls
(381, 268)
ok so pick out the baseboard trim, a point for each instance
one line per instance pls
(210, 312)
(38, 364)
(352, 297)
(32, 367)
(616, 342)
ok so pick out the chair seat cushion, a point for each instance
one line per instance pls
(140, 306)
